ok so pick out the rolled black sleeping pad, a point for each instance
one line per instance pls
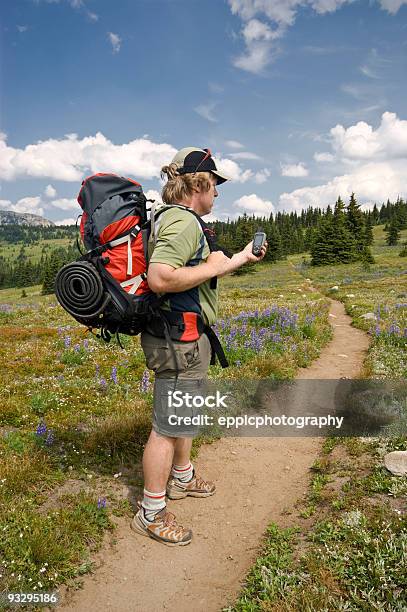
(79, 290)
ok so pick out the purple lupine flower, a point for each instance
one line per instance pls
(67, 341)
(41, 429)
(114, 375)
(103, 384)
(50, 438)
(145, 381)
(377, 330)
(394, 329)
(97, 371)
(101, 503)
(86, 344)
(77, 348)
(60, 330)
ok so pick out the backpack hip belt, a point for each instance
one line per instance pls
(185, 327)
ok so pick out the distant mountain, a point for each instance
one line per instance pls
(8, 217)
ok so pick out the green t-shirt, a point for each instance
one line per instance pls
(180, 242)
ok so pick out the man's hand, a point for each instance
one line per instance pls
(219, 263)
(253, 258)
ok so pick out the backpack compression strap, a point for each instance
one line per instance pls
(206, 230)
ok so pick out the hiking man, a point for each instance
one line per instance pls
(182, 266)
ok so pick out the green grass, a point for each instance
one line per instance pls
(353, 554)
(33, 251)
(353, 558)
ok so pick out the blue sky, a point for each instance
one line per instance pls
(299, 100)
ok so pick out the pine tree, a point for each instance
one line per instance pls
(355, 223)
(309, 238)
(274, 244)
(393, 234)
(368, 232)
(322, 248)
(343, 241)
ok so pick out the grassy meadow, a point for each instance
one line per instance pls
(75, 415)
(347, 547)
(33, 251)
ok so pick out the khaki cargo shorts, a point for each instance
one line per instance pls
(193, 362)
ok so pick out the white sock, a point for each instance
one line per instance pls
(183, 473)
(152, 503)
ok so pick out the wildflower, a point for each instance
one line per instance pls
(50, 438)
(41, 429)
(101, 503)
(145, 381)
(86, 344)
(67, 341)
(114, 375)
(77, 348)
(394, 329)
(103, 384)
(97, 371)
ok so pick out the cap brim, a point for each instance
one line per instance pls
(221, 178)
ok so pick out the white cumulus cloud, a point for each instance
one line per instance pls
(261, 176)
(253, 204)
(152, 194)
(363, 142)
(376, 156)
(233, 170)
(115, 41)
(392, 6)
(294, 170)
(50, 191)
(276, 16)
(244, 155)
(69, 221)
(28, 204)
(323, 157)
(207, 111)
(66, 204)
(69, 158)
(234, 144)
(372, 182)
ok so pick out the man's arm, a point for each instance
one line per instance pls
(163, 278)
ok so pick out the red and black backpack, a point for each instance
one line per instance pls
(106, 288)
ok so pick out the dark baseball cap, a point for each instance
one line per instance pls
(191, 159)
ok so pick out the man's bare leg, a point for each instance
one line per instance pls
(157, 461)
(182, 451)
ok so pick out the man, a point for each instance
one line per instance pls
(182, 266)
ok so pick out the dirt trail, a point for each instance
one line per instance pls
(257, 479)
